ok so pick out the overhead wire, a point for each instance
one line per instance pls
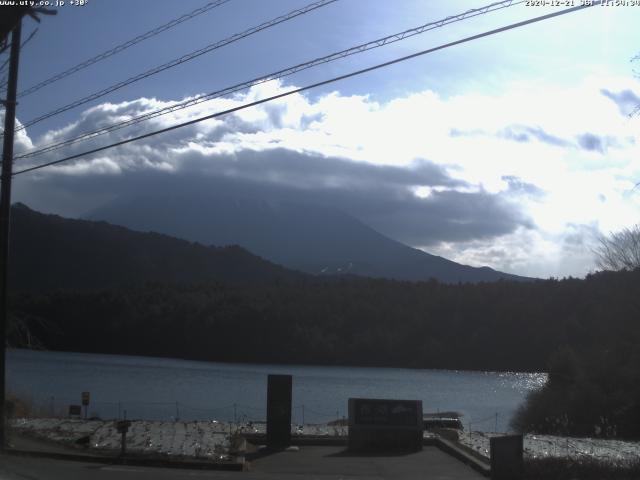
(314, 85)
(178, 61)
(3, 85)
(123, 46)
(377, 43)
(6, 62)
(29, 38)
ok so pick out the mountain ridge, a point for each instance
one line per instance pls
(52, 252)
(308, 237)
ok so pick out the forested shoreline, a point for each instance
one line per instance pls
(584, 332)
(344, 320)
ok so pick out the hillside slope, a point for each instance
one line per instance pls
(313, 238)
(48, 251)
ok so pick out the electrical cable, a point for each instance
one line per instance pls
(274, 75)
(123, 46)
(3, 86)
(180, 60)
(314, 85)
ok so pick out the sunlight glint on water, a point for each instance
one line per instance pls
(163, 389)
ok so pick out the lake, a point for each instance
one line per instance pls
(165, 389)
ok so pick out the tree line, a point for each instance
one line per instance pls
(584, 332)
(344, 320)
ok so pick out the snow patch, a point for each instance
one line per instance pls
(545, 446)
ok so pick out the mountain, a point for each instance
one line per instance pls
(48, 251)
(307, 237)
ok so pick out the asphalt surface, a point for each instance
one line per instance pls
(336, 462)
(326, 463)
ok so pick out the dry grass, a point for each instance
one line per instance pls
(18, 406)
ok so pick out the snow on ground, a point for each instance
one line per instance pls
(211, 439)
(190, 439)
(541, 446)
(63, 431)
(320, 429)
(196, 439)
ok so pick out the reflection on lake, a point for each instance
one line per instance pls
(163, 388)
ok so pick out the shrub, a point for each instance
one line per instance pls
(18, 407)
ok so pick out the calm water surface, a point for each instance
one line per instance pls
(163, 389)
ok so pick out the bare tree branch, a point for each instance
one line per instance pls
(620, 250)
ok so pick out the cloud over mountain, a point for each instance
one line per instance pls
(461, 176)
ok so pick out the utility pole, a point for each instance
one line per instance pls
(5, 215)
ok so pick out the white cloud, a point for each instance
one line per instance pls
(99, 166)
(566, 159)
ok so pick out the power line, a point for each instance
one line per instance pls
(3, 87)
(6, 62)
(275, 75)
(123, 46)
(314, 85)
(29, 38)
(181, 60)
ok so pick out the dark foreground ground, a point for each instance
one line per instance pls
(327, 463)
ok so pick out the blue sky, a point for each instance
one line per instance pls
(530, 123)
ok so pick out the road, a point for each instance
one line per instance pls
(25, 468)
(326, 463)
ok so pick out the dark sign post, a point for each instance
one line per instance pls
(385, 425)
(279, 389)
(85, 402)
(75, 410)
(506, 457)
(122, 426)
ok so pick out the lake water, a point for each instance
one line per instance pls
(163, 389)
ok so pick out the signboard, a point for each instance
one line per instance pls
(386, 412)
(85, 398)
(75, 410)
(385, 425)
(506, 457)
(122, 426)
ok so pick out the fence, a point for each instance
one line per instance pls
(491, 423)
(240, 412)
(301, 414)
(58, 407)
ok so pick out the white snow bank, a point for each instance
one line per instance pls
(541, 446)
(59, 430)
(196, 439)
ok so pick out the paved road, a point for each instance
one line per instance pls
(336, 463)
(326, 463)
(24, 468)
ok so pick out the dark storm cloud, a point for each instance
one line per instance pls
(451, 216)
(380, 196)
(308, 171)
(626, 100)
(196, 161)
